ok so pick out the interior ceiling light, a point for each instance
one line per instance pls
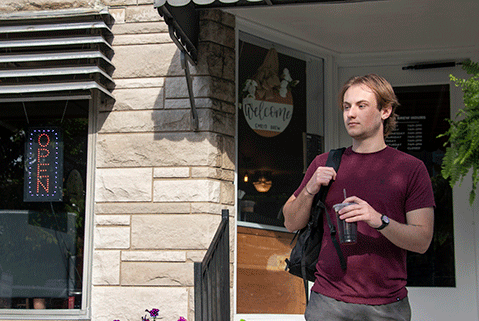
(262, 185)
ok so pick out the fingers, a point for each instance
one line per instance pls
(353, 199)
(322, 176)
(325, 174)
(360, 211)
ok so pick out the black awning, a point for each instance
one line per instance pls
(208, 4)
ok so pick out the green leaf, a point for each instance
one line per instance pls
(462, 152)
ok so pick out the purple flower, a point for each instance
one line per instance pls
(154, 313)
(182, 319)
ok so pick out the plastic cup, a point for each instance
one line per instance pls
(348, 232)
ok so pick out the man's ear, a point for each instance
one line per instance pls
(386, 112)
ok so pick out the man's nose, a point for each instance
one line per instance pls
(351, 112)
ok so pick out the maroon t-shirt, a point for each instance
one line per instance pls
(393, 183)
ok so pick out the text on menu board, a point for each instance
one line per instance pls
(408, 135)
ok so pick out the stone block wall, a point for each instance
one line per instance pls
(160, 187)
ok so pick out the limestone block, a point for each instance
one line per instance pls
(129, 303)
(139, 28)
(118, 14)
(182, 103)
(220, 122)
(152, 82)
(37, 5)
(166, 149)
(112, 237)
(119, 3)
(191, 300)
(193, 190)
(212, 172)
(142, 208)
(123, 220)
(154, 256)
(176, 87)
(128, 121)
(205, 172)
(172, 120)
(228, 153)
(142, 13)
(115, 122)
(171, 172)
(141, 39)
(214, 31)
(228, 107)
(173, 231)
(216, 60)
(227, 193)
(219, 16)
(149, 61)
(196, 256)
(210, 208)
(223, 90)
(123, 184)
(140, 2)
(157, 273)
(106, 268)
(138, 98)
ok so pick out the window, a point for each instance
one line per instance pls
(421, 119)
(55, 68)
(42, 241)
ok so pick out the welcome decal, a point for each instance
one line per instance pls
(267, 102)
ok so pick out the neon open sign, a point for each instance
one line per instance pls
(43, 180)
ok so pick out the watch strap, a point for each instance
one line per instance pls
(385, 222)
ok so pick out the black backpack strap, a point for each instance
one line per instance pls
(334, 160)
(332, 231)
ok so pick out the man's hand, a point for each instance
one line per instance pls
(297, 210)
(360, 211)
(321, 177)
(415, 235)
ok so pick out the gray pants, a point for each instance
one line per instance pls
(323, 308)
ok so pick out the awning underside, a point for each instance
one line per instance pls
(55, 56)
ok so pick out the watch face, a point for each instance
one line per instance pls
(385, 219)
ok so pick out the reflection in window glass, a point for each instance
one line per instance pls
(41, 241)
(270, 151)
(422, 117)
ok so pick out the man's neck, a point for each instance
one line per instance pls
(368, 146)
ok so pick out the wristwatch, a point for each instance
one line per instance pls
(385, 221)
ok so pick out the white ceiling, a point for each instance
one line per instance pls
(376, 26)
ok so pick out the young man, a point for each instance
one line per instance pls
(394, 208)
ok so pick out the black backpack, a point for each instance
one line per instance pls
(304, 255)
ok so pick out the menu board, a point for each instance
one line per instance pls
(409, 134)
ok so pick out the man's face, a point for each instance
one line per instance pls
(361, 116)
